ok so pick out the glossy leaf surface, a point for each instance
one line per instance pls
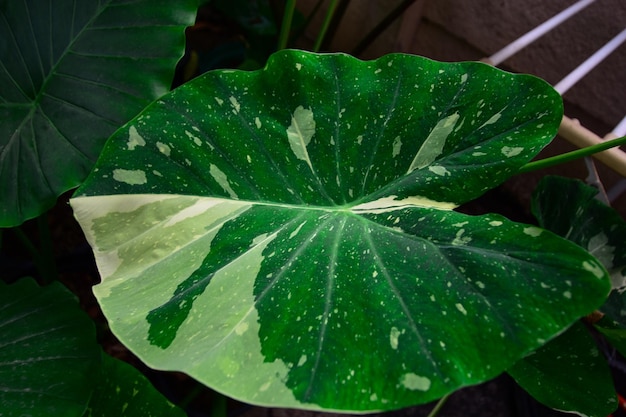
(286, 236)
(48, 351)
(71, 72)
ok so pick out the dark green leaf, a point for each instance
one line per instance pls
(569, 374)
(124, 391)
(48, 352)
(71, 72)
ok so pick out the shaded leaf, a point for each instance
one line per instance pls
(569, 374)
(71, 72)
(48, 351)
(124, 391)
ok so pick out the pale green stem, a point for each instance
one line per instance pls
(322, 33)
(570, 156)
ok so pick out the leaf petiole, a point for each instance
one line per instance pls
(570, 156)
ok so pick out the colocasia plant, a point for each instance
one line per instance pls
(288, 236)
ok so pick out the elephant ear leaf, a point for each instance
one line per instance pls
(287, 236)
(71, 73)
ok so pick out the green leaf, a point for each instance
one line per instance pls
(124, 391)
(47, 351)
(286, 236)
(71, 73)
(569, 208)
(569, 374)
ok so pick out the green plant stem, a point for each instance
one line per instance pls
(327, 19)
(438, 406)
(380, 28)
(285, 28)
(570, 156)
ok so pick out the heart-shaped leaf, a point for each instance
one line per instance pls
(48, 351)
(71, 72)
(286, 236)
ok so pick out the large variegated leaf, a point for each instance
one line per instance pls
(71, 73)
(287, 237)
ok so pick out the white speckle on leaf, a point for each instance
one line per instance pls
(460, 307)
(300, 132)
(567, 294)
(434, 143)
(393, 337)
(164, 148)
(533, 231)
(397, 145)
(495, 223)
(257, 122)
(594, 268)
(298, 66)
(463, 78)
(439, 170)
(510, 152)
(219, 101)
(241, 328)
(415, 382)
(130, 176)
(221, 178)
(359, 139)
(195, 139)
(459, 239)
(134, 139)
(235, 104)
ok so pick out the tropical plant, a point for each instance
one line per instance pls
(287, 236)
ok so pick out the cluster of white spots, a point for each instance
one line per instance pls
(397, 145)
(130, 176)
(235, 104)
(164, 148)
(300, 132)
(394, 335)
(221, 178)
(341, 112)
(257, 122)
(510, 152)
(134, 139)
(415, 382)
(533, 231)
(459, 239)
(460, 307)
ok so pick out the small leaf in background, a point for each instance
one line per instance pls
(71, 73)
(287, 236)
(48, 352)
(124, 391)
(569, 374)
